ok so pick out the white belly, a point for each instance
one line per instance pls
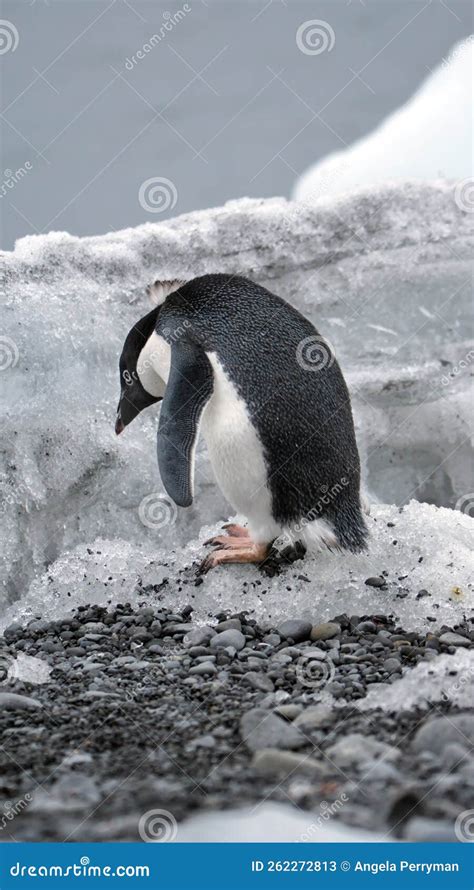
(236, 455)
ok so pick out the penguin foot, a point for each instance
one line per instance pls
(248, 552)
(236, 531)
(228, 543)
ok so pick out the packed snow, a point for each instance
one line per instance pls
(385, 276)
(423, 554)
(430, 136)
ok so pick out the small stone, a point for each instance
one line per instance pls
(289, 712)
(13, 702)
(453, 639)
(259, 681)
(199, 636)
(274, 763)
(230, 624)
(315, 717)
(227, 638)
(356, 749)
(375, 581)
(295, 629)
(392, 665)
(205, 667)
(437, 733)
(325, 631)
(263, 729)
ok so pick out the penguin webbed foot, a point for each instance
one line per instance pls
(234, 547)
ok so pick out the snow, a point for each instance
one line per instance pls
(428, 137)
(384, 275)
(432, 553)
(448, 678)
(270, 823)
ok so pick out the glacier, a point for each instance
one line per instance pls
(384, 275)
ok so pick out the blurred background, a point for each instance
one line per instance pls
(217, 100)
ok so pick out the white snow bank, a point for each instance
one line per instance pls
(269, 823)
(448, 678)
(431, 553)
(428, 137)
(384, 275)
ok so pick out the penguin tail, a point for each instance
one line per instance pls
(349, 526)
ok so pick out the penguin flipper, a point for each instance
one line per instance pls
(189, 387)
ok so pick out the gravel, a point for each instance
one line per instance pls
(143, 709)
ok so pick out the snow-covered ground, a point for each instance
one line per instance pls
(430, 136)
(385, 276)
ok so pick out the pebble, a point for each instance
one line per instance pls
(261, 682)
(200, 636)
(376, 581)
(453, 639)
(14, 702)
(356, 749)
(325, 631)
(315, 717)
(392, 665)
(263, 729)
(274, 763)
(230, 624)
(234, 638)
(205, 667)
(296, 629)
(435, 734)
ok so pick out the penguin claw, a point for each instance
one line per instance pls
(236, 531)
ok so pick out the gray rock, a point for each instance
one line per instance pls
(356, 749)
(452, 639)
(289, 712)
(315, 717)
(436, 734)
(263, 729)
(392, 665)
(325, 631)
(376, 581)
(13, 702)
(206, 667)
(200, 636)
(274, 763)
(230, 624)
(259, 681)
(296, 629)
(227, 638)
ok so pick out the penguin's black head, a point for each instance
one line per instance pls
(133, 396)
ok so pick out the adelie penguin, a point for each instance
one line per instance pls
(238, 364)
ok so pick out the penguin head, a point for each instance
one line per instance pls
(133, 395)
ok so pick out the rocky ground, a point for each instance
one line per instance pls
(126, 710)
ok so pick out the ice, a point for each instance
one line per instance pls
(430, 136)
(431, 553)
(270, 823)
(448, 678)
(384, 275)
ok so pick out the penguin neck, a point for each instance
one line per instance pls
(153, 365)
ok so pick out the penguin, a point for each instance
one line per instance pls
(232, 361)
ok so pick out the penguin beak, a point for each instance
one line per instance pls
(119, 427)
